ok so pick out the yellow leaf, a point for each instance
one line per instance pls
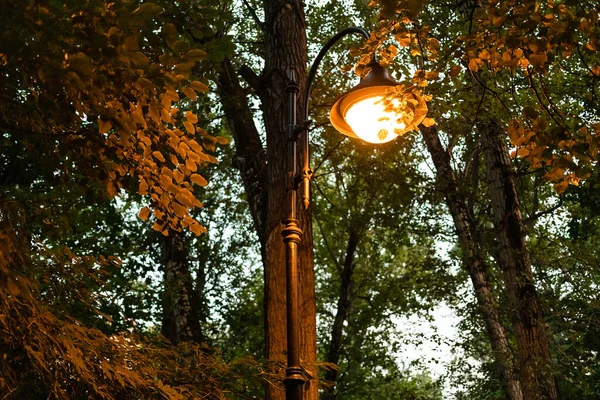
(191, 117)
(178, 176)
(143, 189)
(428, 122)
(189, 92)
(112, 191)
(158, 155)
(185, 197)
(179, 210)
(191, 165)
(171, 95)
(180, 46)
(560, 187)
(195, 55)
(199, 86)
(103, 126)
(189, 127)
(474, 64)
(198, 180)
(497, 21)
(431, 75)
(144, 214)
(197, 229)
(159, 214)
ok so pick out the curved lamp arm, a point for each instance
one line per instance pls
(315, 65)
(306, 171)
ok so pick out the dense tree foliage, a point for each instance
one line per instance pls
(141, 252)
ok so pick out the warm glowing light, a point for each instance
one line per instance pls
(371, 122)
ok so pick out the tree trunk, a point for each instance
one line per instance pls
(343, 309)
(285, 46)
(525, 310)
(250, 156)
(264, 175)
(181, 322)
(473, 262)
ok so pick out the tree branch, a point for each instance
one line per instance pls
(252, 79)
(254, 16)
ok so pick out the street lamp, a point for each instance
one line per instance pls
(363, 112)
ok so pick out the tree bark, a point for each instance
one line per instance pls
(264, 175)
(343, 309)
(473, 261)
(525, 310)
(250, 155)
(285, 46)
(181, 322)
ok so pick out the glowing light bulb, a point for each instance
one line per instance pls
(371, 122)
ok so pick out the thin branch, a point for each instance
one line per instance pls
(539, 98)
(545, 212)
(332, 255)
(252, 79)
(327, 155)
(254, 16)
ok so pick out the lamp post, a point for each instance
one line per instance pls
(362, 113)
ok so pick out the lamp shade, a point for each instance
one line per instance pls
(365, 113)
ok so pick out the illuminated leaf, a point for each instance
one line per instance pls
(428, 122)
(191, 117)
(199, 86)
(158, 155)
(144, 213)
(189, 92)
(198, 180)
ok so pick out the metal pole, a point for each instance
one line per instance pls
(292, 235)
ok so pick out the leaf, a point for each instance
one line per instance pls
(158, 155)
(189, 127)
(139, 59)
(191, 165)
(179, 210)
(131, 43)
(474, 64)
(148, 10)
(144, 214)
(104, 126)
(189, 92)
(180, 46)
(454, 71)
(196, 55)
(197, 229)
(199, 86)
(560, 187)
(112, 190)
(198, 180)
(431, 75)
(191, 117)
(143, 188)
(530, 112)
(428, 122)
